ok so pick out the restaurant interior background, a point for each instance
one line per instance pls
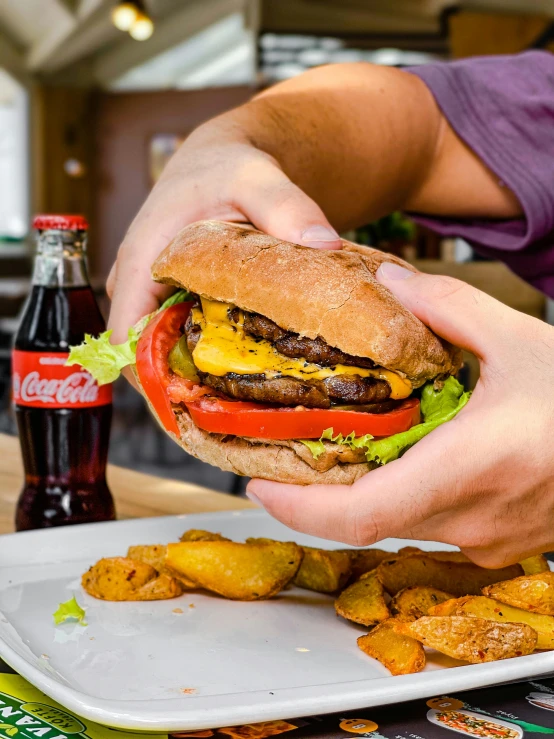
(90, 113)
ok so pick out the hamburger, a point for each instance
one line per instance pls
(280, 361)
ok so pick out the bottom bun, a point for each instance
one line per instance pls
(265, 459)
(281, 461)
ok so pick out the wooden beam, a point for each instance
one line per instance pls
(65, 25)
(475, 33)
(12, 60)
(321, 16)
(169, 32)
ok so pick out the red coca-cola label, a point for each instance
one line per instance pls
(42, 380)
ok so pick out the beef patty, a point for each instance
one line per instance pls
(289, 391)
(315, 350)
(350, 389)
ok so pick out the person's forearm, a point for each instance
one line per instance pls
(364, 140)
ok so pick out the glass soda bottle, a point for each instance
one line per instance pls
(63, 416)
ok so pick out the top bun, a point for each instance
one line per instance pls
(312, 292)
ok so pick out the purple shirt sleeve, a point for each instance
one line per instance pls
(503, 108)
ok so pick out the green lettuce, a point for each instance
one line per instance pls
(353, 442)
(105, 360)
(102, 359)
(69, 611)
(437, 407)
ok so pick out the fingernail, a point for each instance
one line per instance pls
(254, 498)
(319, 234)
(391, 271)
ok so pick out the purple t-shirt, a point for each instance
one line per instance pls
(503, 108)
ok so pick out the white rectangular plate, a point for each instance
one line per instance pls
(212, 662)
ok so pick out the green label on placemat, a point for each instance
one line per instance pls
(27, 713)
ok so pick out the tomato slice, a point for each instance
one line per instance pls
(154, 345)
(266, 422)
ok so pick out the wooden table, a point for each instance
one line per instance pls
(136, 495)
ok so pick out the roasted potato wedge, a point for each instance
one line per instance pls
(363, 602)
(201, 535)
(443, 555)
(400, 654)
(236, 571)
(483, 607)
(154, 555)
(534, 565)
(469, 638)
(121, 579)
(322, 570)
(530, 592)
(364, 560)
(458, 578)
(412, 603)
(448, 607)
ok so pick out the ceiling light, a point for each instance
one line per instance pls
(124, 15)
(142, 28)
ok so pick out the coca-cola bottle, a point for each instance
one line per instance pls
(63, 416)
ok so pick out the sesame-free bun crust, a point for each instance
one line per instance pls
(331, 294)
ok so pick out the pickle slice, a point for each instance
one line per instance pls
(180, 361)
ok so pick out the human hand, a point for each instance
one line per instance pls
(214, 175)
(483, 481)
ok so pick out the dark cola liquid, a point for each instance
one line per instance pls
(64, 449)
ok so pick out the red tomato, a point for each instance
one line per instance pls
(154, 345)
(266, 422)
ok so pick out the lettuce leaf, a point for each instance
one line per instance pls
(69, 611)
(102, 359)
(105, 360)
(317, 448)
(179, 297)
(437, 407)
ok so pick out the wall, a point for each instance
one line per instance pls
(14, 160)
(125, 124)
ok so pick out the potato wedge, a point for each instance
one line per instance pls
(412, 603)
(483, 607)
(469, 638)
(400, 654)
(443, 555)
(530, 592)
(322, 570)
(122, 579)
(236, 571)
(364, 560)
(458, 578)
(154, 555)
(448, 607)
(363, 602)
(201, 535)
(534, 565)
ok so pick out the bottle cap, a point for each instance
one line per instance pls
(60, 222)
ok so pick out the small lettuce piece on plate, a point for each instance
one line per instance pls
(437, 407)
(105, 360)
(69, 611)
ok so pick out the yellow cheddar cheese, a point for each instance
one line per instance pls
(224, 347)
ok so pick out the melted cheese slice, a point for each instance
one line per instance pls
(224, 347)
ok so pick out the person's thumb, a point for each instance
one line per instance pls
(278, 207)
(454, 310)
